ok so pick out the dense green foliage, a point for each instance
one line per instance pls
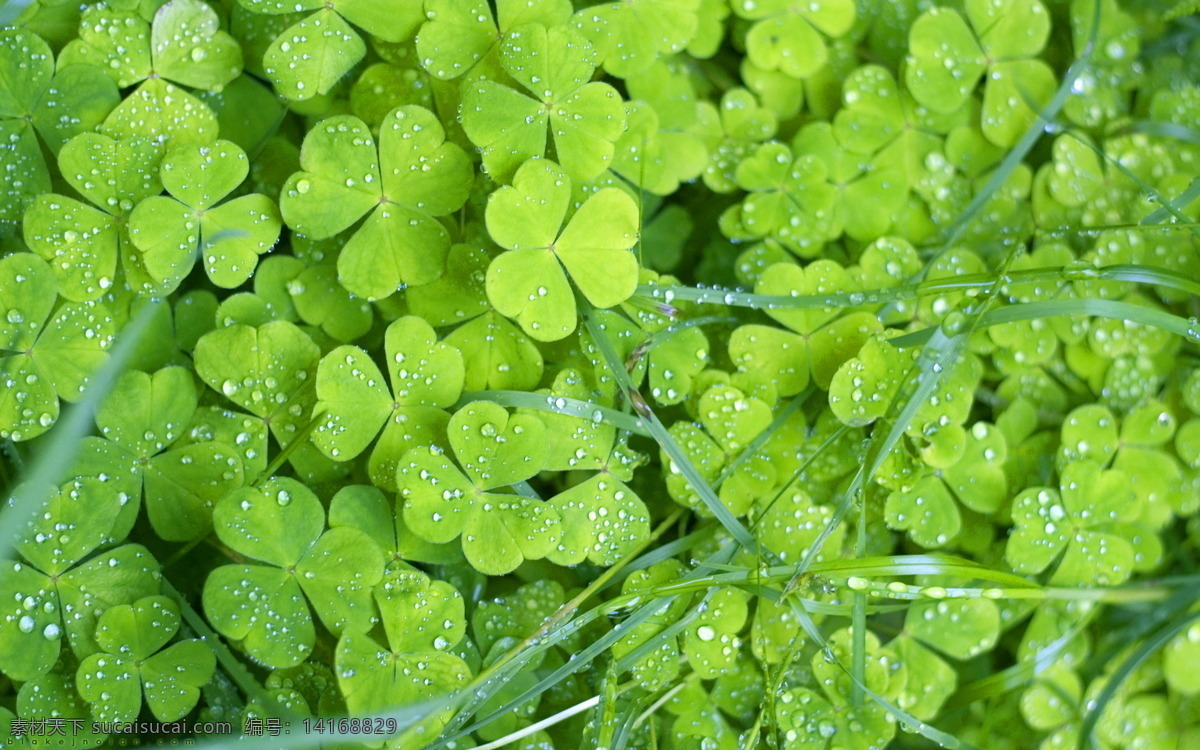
(722, 374)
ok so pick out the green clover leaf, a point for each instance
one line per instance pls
(140, 421)
(442, 501)
(266, 607)
(496, 354)
(309, 57)
(132, 661)
(818, 343)
(960, 629)
(1081, 523)
(931, 681)
(184, 45)
(413, 177)
(426, 377)
(789, 200)
(603, 519)
(711, 642)
(365, 508)
(630, 35)
(458, 35)
(790, 37)
(529, 282)
(321, 301)
(170, 232)
(268, 370)
(731, 133)
(947, 58)
(511, 618)
(54, 591)
(82, 242)
(32, 97)
(423, 620)
(867, 195)
(729, 420)
(55, 697)
(968, 467)
(555, 65)
(789, 525)
(43, 358)
(661, 665)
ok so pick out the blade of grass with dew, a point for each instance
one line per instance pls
(570, 407)
(1099, 308)
(662, 437)
(905, 292)
(1144, 651)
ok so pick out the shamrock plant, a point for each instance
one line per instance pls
(141, 454)
(530, 281)
(266, 607)
(133, 662)
(44, 357)
(170, 232)
(58, 591)
(401, 187)
(443, 501)
(584, 117)
(183, 46)
(31, 99)
(426, 378)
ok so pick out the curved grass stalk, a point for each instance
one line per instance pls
(904, 292)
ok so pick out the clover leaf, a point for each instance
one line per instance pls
(43, 358)
(442, 501)
(711, 642)
(790, 201)
(184, 45)
(961, 629)
(267, 370)
(931, 681)
(140, 421)
(603, 519)
(497, 355)
(312, 55)
(818, 342)
(1079, 524)
(947, 58)
(731, 133)
(461, 34)
(170, 232)
(508, 619)
(809, 719)
(880, 119)
(867, 195)
(729, 420)
(413, 177)
(661, 665)
(630, 35)
(365, 508)
(423, 620)
(790, 37)
(132, 660)
(969, 469)
(56, 591)
(82, 242)
(32, 98)
(426, 377)
(266, 607)
(529, 282)
(788, 526)
(555, 65)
